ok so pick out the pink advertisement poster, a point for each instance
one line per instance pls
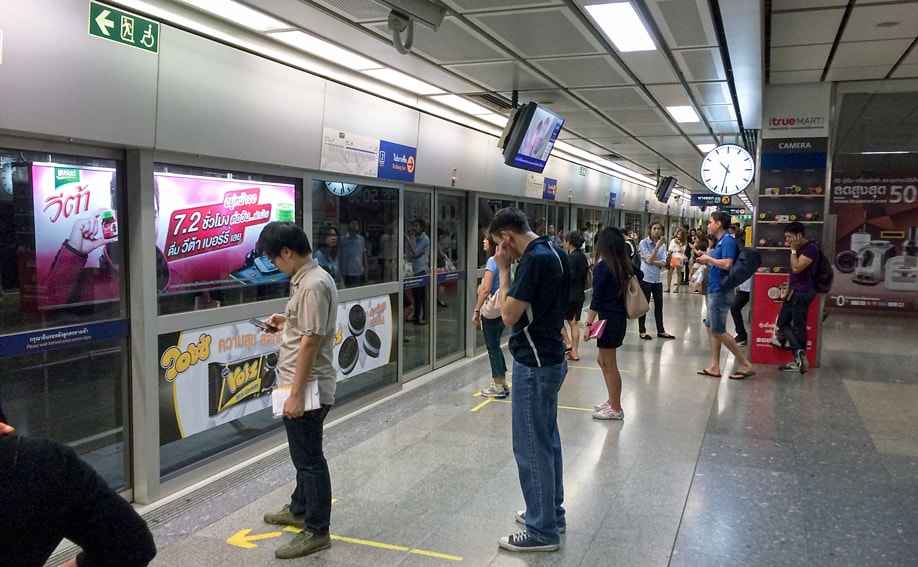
(74, 221)
(208, 229)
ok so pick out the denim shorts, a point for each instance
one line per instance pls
(719, 303)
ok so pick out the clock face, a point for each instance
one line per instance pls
(727, 169)
(340, 189)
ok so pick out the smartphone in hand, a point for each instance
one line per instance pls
(262, 325)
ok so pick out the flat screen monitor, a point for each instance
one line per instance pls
(665, 188)
(531, 137)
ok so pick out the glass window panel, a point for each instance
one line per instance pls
(486, 209)
(59, 252)
(75, 396)
(355, 232)
(207, 227)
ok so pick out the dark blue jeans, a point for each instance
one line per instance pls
(312, 495)
(537, 447)
(654, 290)
(492, 330)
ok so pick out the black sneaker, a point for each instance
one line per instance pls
(741, 340)
(802, 363)
(522, 542)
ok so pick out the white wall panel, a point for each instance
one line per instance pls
(360, 113)
(443, 146)
(58, 80)
(222, 102)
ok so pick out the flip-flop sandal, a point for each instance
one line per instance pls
(704, 372)
(646, 337)
(742, 375)
(572, 357)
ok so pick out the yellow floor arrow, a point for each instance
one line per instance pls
(244, 540)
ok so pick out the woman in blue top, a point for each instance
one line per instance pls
(492, 328)
(611, 271)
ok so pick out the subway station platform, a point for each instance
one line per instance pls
(778, 469)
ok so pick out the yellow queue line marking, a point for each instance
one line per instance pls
(389, 546)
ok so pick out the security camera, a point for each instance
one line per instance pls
(427, 12)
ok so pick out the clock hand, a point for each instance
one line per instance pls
(724, 184)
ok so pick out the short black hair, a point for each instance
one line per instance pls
(721, 217)
(421, 223)
(276, 236)
(795, 228)
(509, 218)
(575, 238)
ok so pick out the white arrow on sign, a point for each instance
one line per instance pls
(103, 22)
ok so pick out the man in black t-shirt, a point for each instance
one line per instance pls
(533, 306)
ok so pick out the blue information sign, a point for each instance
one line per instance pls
(396, 162)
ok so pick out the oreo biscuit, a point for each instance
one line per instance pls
(371, 343)
(348, 354)
(356, 320)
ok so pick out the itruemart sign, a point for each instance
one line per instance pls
(123, 27)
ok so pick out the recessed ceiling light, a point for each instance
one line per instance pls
(622, 26)
(683, 114)
(407, 82)
(320, 48)
(240, 14)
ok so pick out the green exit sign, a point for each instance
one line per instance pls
(123, 27)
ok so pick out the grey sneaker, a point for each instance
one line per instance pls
(302, 544)
(521, 519)
(522, 542)
(285, 518)
(790, 367)
(802, 363)
(496, 390)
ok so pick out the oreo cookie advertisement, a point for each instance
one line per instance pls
(363, 338)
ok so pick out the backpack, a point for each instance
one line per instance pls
(822, 279)
(746, 263)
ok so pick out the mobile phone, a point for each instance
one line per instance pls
(262, 325)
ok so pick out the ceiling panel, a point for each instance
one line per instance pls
(451, 43)
(701, 64)
(800, 58)
(670, 95)
(650, 67)
(683, 25)
(711, 93)
(503, 76)
(795, 77)
(592, 71)
(863, 25)
(804, 28)
(614, 98)
(867, 53)
(719, 113)
(559, 33)
(782, 5)
(491, 5)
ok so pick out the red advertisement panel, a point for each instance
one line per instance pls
(766, 304)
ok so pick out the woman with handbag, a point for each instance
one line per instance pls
(612, 270)
(676, 260)
(487, 316)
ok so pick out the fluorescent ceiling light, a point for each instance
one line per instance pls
(401, 80)
(463, 105)
(683, 113)
(705, 148)
(242, 15)
(622, 26)
(325, 50)
(494, 118)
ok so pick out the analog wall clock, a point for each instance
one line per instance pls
(727, 169)
(340, 189)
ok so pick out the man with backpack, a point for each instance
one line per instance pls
(801, 289)
(720, 298)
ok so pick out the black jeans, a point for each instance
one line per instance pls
(736, 310)
(312, 495)
(656, 290)
(792, 318)
(420, 299)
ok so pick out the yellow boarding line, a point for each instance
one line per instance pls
(388, 546)
(508, 401)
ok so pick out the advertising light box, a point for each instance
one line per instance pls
(208, 229)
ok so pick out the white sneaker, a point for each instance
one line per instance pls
(802, 363)
(496, 390)
(600, 407)
(608, 413)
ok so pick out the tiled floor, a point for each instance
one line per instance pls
(780, 469)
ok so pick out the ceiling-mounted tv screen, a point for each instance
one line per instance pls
(665, 188)
(531, 137)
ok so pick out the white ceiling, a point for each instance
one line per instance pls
(614, 103)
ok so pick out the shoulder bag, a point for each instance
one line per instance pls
(635, 302)
(490, 309)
